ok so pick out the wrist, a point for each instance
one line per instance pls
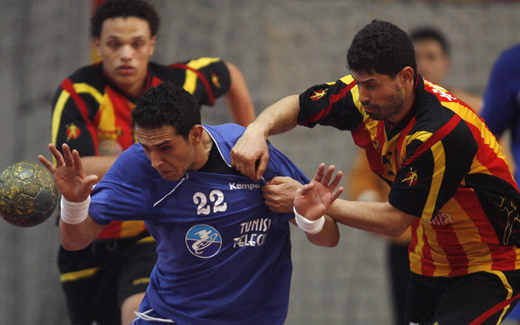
(74, 213)
(309, 226)
(258, 129)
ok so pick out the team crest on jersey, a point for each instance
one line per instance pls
(215, 80)
(73, 132)
(203, 241)
(317, 94)
(411, 178)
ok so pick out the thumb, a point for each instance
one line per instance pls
(305, 189)
(90, 181)
(276, 180)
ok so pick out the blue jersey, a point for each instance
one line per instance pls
(501, 108)
(501, 104)
(223, 256)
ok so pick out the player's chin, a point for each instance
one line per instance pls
(170, 176)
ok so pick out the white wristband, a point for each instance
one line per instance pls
(309, 226)
(74, 212)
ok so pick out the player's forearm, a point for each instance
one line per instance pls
(238, 99)
(97, 165)
(278, 118)
(377, 217)
(79, 236)
(328, 236)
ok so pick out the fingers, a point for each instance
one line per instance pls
(46, 163)
(56, 154)
(77, 160)
(276, 181)
(90, 181)
(336, 194)
(305, 189)
(324, 177)
(262, 166)
(336, 180)
(67, 156)
(319, 173)
(328, 175)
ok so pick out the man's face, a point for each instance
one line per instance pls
(170, 154)
(432, 62)
(126, 46)
(381, 96)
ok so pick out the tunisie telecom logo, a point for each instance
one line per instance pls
(203, 241)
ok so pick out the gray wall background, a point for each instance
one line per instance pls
(282, 47)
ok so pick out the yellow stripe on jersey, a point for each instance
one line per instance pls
(83, 88)
(131, 228)
(77, 275)
(56, 115)
(416, 255)
(472, 118)
(191, 77)
(145, 240)
(62, 100)
(439, 158)
(355, 98)
(107, 120)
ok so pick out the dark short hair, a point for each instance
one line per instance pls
(430, 33)
(124, 8)
(381, 47)
(167, 105)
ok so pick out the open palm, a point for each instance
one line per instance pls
(314, 199)
(68, 175)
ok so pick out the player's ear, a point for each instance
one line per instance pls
(97, 44)
(152, 45)
(406, 75)
(196, 134)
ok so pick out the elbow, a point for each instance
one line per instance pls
(398, 230)
(72, 246)
(333, 243)
(325, 241)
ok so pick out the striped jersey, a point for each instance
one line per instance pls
(92, 115)
(444, 167)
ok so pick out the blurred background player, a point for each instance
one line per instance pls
(501, 108)
(432, 53)
(105, 282)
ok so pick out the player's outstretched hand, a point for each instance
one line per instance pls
(250, 154)
(315, 198)
(68, 175)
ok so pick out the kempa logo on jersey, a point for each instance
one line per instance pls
(203, 241)
(234, 186)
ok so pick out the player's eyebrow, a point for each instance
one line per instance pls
(364, 82)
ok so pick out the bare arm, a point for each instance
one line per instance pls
(313, 199)
(328, 236)
(75, 188)
(97, 165)
(251, 154)
(79, 236)
(238, 99)
(377, 217)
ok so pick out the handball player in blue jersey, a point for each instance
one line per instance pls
(223, 256)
